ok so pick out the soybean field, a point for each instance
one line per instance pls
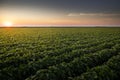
(59, 53)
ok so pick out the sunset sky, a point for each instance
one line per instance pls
(60, 12)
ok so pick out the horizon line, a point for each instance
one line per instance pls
(61, 26)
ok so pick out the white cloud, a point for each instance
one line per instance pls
(73, 14)
(93, 14)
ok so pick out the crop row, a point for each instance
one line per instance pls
(33, 57)
(108, 71)
(76, 67)
(27, 69)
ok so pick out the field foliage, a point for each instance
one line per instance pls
(59, 53)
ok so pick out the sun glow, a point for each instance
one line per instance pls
(7, 24)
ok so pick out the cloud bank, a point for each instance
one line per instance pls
(93, 14)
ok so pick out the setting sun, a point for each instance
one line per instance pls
(7, 24)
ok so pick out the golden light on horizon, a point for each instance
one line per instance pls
(7, 24)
